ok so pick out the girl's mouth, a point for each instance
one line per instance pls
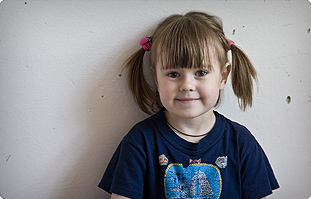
(188, 100)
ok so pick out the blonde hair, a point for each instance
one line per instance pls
(195, 39)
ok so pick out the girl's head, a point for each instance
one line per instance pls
(193, 40)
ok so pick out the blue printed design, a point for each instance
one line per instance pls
(195, 181)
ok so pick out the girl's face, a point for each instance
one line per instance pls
(190, 93)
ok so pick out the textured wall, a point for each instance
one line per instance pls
(64, 106)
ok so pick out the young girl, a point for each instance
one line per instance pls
(188, 150)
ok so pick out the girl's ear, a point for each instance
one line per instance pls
(225, 74)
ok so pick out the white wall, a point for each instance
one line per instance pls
(64, 107)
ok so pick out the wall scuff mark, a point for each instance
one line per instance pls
(7, 158)
(288, 99)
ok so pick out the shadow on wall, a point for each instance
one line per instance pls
(106, 113)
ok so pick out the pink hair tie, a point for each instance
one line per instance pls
(230, 42)
(146, 43)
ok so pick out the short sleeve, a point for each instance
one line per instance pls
(125, 172)
(258, 179)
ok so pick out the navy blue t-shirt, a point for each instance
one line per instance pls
(153, 162)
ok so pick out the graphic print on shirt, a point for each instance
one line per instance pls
(163, 160)
(221, 162)
(195, 181)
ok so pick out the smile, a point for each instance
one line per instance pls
(188, 100)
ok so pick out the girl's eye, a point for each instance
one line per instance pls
(201, 73)
(173, 74)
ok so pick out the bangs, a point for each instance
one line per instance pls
(186, 43)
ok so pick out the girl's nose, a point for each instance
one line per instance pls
(187, 84)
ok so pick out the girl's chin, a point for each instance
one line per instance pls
(189, 114)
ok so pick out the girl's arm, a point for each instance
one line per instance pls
(116, 196)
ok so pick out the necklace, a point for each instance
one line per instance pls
(185, 133)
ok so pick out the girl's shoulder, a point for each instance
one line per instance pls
(146, 129)
(235, 130)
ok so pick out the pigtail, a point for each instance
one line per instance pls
(143, 94)
(243, 74)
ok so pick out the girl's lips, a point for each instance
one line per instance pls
(188, 100)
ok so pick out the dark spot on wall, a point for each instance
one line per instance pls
(233, 32)
(309, 30)
(7, 158)
(288, 99)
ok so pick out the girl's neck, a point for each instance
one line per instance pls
(192, 126)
